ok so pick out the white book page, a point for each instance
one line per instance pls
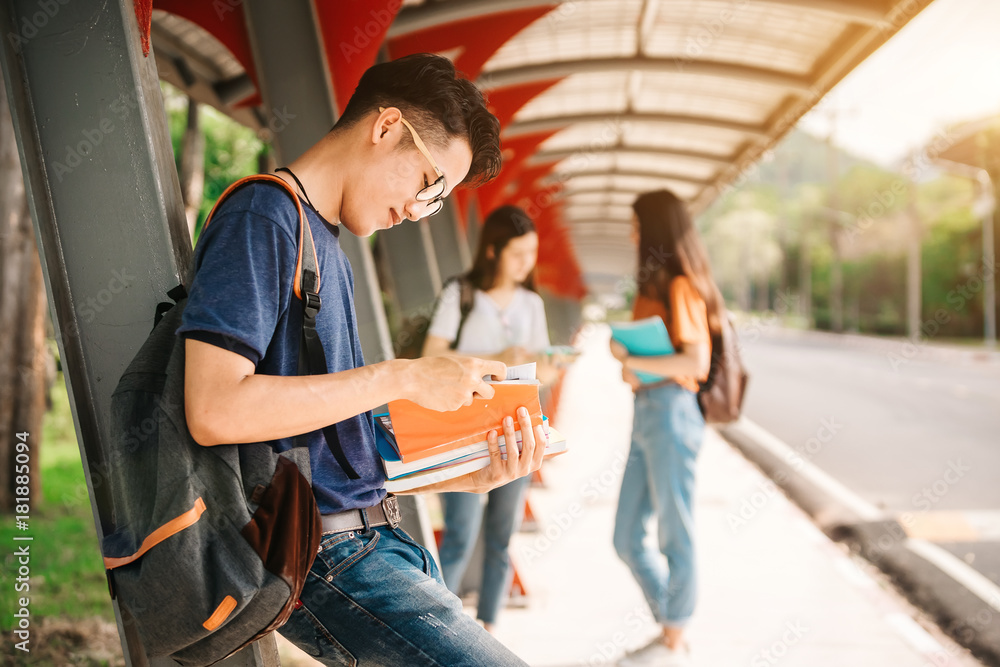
(523, 374)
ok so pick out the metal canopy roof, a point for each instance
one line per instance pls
(974, 144)
(641, 94)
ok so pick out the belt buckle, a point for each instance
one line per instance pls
(390, 505)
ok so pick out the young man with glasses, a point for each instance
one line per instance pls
(411, 132)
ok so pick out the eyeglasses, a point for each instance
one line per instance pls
(431, 194)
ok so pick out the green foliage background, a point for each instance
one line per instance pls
(756, 235)
(231, 150)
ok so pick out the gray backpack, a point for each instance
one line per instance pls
(211, 545)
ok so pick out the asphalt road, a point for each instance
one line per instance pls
(906, 433)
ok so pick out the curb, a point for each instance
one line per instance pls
(964, 603)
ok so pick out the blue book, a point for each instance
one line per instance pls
(385, 439)
(643, 338)
(647, 337)
(385, 448)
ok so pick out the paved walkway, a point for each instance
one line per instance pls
(774, 590)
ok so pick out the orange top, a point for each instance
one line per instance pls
(689, 320)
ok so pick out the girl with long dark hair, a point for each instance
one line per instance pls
(507, 322)
(674, 282)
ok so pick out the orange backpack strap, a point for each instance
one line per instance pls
(170, 528)
(306, 249)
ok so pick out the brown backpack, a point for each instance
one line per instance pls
(720, 396)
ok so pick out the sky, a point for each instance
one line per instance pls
(942, 67)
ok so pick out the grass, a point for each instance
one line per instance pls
(67, 575)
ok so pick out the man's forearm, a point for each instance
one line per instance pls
(268, 407)
(464, 483)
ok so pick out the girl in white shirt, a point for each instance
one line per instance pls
(507, 322)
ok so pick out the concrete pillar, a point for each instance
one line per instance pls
(450, 245)
(192, 169)
(914, 247)
(805, 272)
(564, 317)
(472, 230)
(836, 265)
(554, 316)
(92, 134)
(988, 194)
(409, 255)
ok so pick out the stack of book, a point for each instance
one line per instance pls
(419, 446)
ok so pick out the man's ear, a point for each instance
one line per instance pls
(384, 122)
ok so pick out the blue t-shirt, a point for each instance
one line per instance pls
(242, 299)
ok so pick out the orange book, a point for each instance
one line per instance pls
(421, 432)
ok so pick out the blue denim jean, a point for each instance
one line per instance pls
(463, 515)
(377, 598)
(659, 482)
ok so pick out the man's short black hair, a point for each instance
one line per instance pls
(437, 102)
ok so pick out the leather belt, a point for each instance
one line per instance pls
(385, 513)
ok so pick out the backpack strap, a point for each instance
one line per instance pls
(176, 294)
(306, 247)
(312, 357)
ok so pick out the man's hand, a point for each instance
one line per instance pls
(619, 351)
(501, 471)
(450, 382)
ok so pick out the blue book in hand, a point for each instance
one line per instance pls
(647, 337)
(643, 338)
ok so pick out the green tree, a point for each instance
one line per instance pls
(952, 261)
(232, 151)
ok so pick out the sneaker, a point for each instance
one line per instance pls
(656, 654)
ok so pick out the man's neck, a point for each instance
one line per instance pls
(321, 176)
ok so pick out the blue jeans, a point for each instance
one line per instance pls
(377, 598)
(659, 481)
(463, 515)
